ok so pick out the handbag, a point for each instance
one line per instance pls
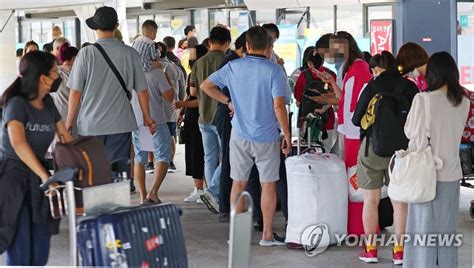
(181, 134)
(413, 174)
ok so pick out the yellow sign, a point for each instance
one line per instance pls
(110, 244)
(176, 23)
(234, 32)
(287, 51)
(312, 33)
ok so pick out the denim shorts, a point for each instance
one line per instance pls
(161, 142)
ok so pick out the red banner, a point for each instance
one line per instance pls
(381, 36)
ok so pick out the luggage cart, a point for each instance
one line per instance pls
(96, 199)
(107, 231)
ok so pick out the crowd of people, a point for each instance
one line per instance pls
(233, 103)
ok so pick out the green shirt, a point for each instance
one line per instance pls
(203, 68)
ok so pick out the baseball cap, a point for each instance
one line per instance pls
(104, 18)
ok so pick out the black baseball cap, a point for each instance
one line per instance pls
(104, 18)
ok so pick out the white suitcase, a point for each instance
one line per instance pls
(317, 194)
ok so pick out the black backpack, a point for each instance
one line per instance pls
(387, 132)
(313, 88)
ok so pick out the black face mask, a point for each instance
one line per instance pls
(55, 85)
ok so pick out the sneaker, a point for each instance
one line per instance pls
(258, 226)
(397, 255)
(210, 201)
(194, 196)
(133, 189)
(149, 168)
(276, 241)
(172, 168)
(199, 201)
(369, 255)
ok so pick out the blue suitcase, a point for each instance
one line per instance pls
(145, 236)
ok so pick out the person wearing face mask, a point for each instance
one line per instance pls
(30, 122)
(356, 75)
(372, 171)
(412, 60)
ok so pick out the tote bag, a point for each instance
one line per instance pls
(413, 174)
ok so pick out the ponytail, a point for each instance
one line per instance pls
(66, 52)
(32, 66)
(11, 91)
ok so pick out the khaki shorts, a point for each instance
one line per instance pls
(244, 154)
(372, 170)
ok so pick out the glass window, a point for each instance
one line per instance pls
(201, 22)
(177, 25)
(217, 17)
(239, 23)
(132, 28)
(35, 32)
(466, 19)
(465, 31)
(142, 19)
(69, 31)
(322, 19)
(377, 13)
(25, 32)
(350, 19)
(47, 32)
(164, 25)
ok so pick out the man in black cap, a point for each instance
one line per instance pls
(105, 110)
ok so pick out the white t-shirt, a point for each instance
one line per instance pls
(447, 124)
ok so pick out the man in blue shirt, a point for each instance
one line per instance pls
(258, 89)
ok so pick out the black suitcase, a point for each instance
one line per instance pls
(385, 213)
(145, 236)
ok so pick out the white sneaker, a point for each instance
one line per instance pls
(194, 196)
(210, 201)
(199, 201)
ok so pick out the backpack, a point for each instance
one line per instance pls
(89, 156)
(313, 88)
(385, 121)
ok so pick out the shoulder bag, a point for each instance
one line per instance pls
(413, 174)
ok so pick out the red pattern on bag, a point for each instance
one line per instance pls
(145, 264)
(152, 243)
(353, 181)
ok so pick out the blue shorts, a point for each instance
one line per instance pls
(172, 127)
(161, 142)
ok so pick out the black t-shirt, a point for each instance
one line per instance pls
(39, 125)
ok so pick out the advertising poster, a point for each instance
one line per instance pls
(381, 36)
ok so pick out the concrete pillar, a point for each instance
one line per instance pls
(8, 67)
(121, 8)
(84, 12)
(430, 23)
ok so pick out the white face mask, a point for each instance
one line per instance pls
(330, 60)
(415, 73)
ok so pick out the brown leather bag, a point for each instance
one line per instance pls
(87, 154)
